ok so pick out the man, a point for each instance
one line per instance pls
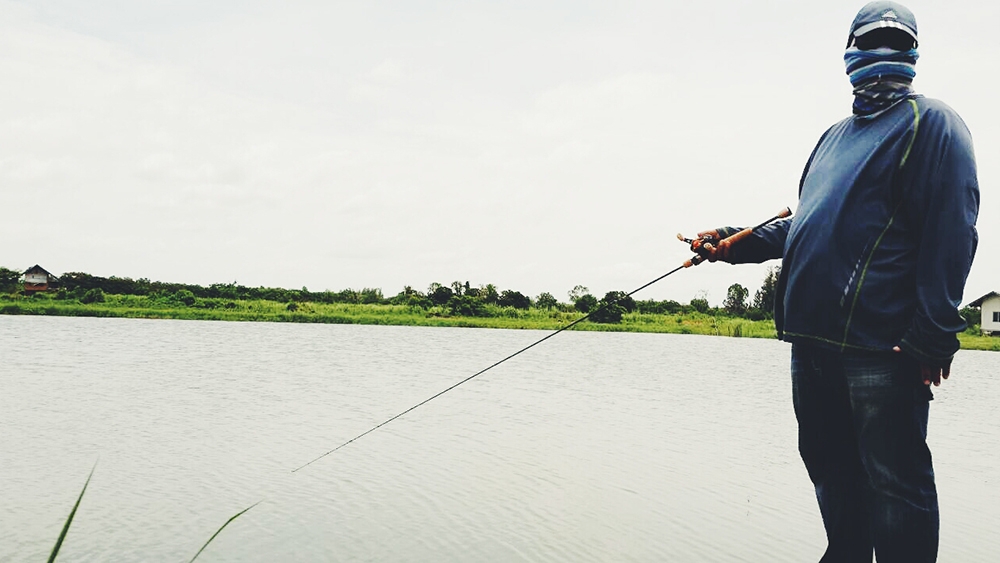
(874, 265)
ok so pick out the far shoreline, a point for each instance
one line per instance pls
(125, 306)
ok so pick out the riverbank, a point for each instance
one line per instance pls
(132, 306)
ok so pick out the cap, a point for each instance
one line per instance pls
(878, 15)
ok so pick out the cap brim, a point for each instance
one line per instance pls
(883, 24)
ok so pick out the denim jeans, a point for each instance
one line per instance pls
(862, 435)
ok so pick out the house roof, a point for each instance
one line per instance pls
(36, 269)
(979, 302)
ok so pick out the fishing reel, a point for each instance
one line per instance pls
(704, 245)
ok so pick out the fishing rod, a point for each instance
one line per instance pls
(702, 245)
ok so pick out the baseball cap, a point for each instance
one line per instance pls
(879, 15)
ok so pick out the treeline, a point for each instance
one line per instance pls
(457, 298)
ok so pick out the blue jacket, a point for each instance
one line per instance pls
(883, 239)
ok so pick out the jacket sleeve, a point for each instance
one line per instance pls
(765, 243)
(940, 199)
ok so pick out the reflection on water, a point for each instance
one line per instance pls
(591, 447)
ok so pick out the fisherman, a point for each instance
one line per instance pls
(873, 268)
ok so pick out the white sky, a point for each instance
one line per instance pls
(531, 145)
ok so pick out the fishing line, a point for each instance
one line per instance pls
(696, 245)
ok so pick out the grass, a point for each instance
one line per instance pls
(69, 520)
(132, 306)
(72, 514)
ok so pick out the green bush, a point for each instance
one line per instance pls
(700, 305)
(94, 295)
(466, 306)
(184, 296)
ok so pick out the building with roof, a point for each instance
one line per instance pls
(989, 307)
(37, 278)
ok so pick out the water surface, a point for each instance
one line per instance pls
(591, 447)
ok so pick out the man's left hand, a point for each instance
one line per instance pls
(931, 372)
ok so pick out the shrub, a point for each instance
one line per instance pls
(94, 295)
(184, 296)
(610, 313)
(700, 305)
(972, 315)
(612, 307)
(466, 306)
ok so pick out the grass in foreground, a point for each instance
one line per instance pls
(72, 514)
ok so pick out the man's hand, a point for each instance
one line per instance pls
(931, 372)
(721, 250)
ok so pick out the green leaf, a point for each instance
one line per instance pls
(69, 521)
(217, 532)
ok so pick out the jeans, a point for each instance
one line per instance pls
(862, 435)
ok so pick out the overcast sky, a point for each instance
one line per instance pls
(532, 145)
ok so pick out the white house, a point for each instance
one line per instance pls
(989, 305)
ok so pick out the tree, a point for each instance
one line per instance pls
(489, 294)
(585, 303)
(371, 295)
(972, 316)
(611, 308)
(73, 280)
(700, 304)
(763, 300)
(736, 300)
(9, 280)
(545, 300)
(411, 297)
(667, 307)
(439, 294)
(623, 299)
(577, 292)
(515, 299)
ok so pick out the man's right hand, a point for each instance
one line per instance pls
(720, 250)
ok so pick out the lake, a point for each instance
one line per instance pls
(590, 447)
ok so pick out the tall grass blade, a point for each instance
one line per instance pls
(62, 535)
(217, 532)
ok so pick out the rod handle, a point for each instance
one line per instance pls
(733, 239)
(786, 212)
